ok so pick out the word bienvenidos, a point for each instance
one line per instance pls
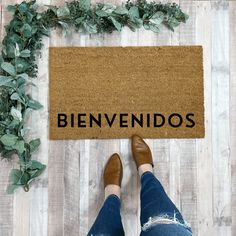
(123, 120)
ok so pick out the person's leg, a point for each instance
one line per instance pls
(157, 209)
(159, 215)
(108, 221)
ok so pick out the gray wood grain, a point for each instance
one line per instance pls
(220, 119)
(232, 110)
(188, 185)
(204, 146)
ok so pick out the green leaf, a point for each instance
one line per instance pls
(11, 188)
(116, 23)
(4, 80)
(9, 148)
(15, 176)
(135, 24)
(11, 8)
(25, 53)
(65, 28)
(36, 165)
(16, 96)
(101, 13)
(34, 104)
(26, 30)
(21, 65)
(90, 27)
(9, 139)
(24, 131)
(34, 144)
(23, 7)
(146, 26)
(154, 28)
(80, 20)
(38, 172)
(172, 23)
(133, 12)
(25, 178)
(157, 18)
(9, 68)
(13, 123)
(1, 59)
(121, 10)
(24, 76)
(29, 17)
(108, 8)
(16, 114)
(85, 4)
(63, 12)
(19, 146)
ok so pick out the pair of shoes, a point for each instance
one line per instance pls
(113, 171)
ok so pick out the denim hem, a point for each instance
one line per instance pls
(164, 219)
(113, 196)
(146, 173)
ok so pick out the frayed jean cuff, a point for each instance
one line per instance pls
(164, 219)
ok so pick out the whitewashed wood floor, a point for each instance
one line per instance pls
(198, 174)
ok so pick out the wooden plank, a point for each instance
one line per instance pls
(232, 114)
(39, 190)
(6, 201)
(72, 171)
(188, 183)
(174, 147)
(84, 173)
(55, 188)
(39, 193)
(56, 163)
(220, 119)
(161, 157)
(71, 188)
(174, 175)
(100, 150)
(159, 147)
(84, 186)
(130, 189)
(204, 146)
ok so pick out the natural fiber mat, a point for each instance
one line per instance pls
(114, 92)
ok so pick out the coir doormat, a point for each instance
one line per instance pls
(114, 92)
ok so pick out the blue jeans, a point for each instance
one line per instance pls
(159, 215)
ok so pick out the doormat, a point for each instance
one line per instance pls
(114, 92)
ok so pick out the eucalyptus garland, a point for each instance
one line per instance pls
(22, 45)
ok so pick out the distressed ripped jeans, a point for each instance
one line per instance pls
(159, 215)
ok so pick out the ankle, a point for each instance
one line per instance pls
(144, 168)
(112, 189)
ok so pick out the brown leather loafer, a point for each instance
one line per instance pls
(113, 172)
(141, 151)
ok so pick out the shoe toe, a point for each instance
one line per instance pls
(141, 151)
(113, 171)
